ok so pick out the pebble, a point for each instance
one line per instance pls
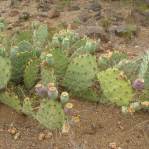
(17, 135)
(41, 136)
(12, 130)
(113, 145)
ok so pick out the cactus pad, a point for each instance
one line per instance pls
(81, 73)
(5, 71)
(19, 62)
(11, 100)
(31, 73)
(60, 63)
(115, 86)
(27, 107)
(47, 75)
(51, 114)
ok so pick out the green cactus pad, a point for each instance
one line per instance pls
(51, 114)
(5, 71)
(2, 51)
(19, 62)
(64, 39)
(27, 107)
(22, 35)
(24, 46)
(11, 100)
(115, 86)
(60, 63)
(40, 35)
(81, 73)
(47, 75)
(144, 69)
(31, 73)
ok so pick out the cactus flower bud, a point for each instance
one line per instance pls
(49, 59)
(138, 84)
(64, 98)
(66, 43)
(52, 92)
(41, 90)
(51, 85)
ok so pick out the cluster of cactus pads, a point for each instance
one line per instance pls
(42, 68)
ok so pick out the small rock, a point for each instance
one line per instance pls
(17, 136)
(12, 130)
(53, 13)
(41, 136)
(43, 14)
(10, 26)
(66, 128)
(121, 127)
(113, 145)
(93, 31)
(127, 30)
(95, 6)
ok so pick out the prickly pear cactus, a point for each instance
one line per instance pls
(31, 73)
(146, 78)
(40, 35)
(81, 73)
(19, 62)
(111, 59)
(89, 46)
(2, 51)
(24, 46)
(64, 39)
(27, 107)
(11, 100)
(50, 114)
(5, 71)
(144, 69)
(47, 74)
(61, 62)
(115, 86)
(2, 26)
(22, 36)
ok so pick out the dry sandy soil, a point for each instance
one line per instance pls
(99, 124)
